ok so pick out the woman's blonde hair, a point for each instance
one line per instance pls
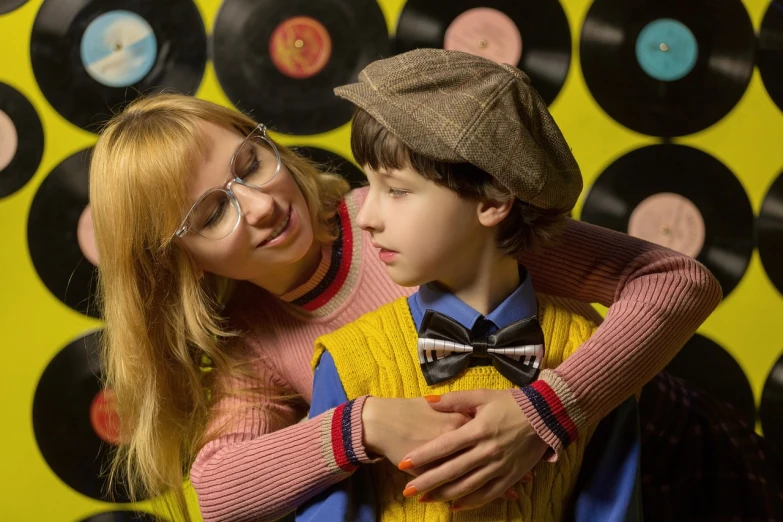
(162, 318)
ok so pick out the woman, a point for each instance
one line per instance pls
(224, 255)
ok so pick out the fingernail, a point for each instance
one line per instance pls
(511, 494)
(527, 478)
(425, 498)
(409, 491)
(455, 507)
(405, 464)
(432, 398)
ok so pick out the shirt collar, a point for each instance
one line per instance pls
(519, 305)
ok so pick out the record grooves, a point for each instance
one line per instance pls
(770, 233)
(687, 173)
(280, 61)
(66, 436)
(770, 59)
(21, 140)
(542, 25)
(91, 57)
(667, 68)
(55, 213)
(771, 409)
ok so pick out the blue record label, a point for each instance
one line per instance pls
(119, 48)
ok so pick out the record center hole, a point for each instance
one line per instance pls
(299, 44)
(483, 44)
(664, 47)
(665, 230)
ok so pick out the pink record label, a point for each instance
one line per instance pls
(9, 140)
(670, 220)
(85, 235)
(485, 32)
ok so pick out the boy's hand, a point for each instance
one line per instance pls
(484, 458)
(394, 427)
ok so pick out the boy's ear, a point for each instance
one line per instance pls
(491, 213)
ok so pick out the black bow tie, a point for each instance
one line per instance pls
(446, 349)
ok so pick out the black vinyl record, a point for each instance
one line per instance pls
(21, 140)
(331, 162)
(92, 56)
(537, 29)
(682, 198)
(667, 68)
(771, 409)
(122, 516)
(770, 59)
(6, 6)
(59, 209)
(709, 366)
(770, 233)
(280, 61)
(75, 421)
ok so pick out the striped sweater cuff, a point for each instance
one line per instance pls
(341, 428)
(551, 409)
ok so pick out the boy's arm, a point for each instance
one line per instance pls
(657, 298)
(342, 501)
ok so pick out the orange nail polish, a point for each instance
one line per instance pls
(527, 478)
(425, 498)
(512, 495)
(409, 491)
(455, 507)
(405, 464)
(432, 398)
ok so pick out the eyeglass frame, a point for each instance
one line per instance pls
(184, 227)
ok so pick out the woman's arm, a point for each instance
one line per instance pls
(265, 464)
(657, 298)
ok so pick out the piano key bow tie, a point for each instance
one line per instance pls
(446, 349)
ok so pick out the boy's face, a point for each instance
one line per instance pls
(424, 232)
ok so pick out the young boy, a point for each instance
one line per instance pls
(466, 170)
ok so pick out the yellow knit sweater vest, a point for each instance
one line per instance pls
(377, 355)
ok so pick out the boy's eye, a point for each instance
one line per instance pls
(397, 193)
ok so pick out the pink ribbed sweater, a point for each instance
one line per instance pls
(267, 462)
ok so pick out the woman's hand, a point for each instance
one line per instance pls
(483, 458)
(395, 427)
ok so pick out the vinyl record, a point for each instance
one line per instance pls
(770, 233)
(280, 61)
(771, 409)
(770, 59)
(6, 6)
(122, 516)
(667, 68)
(21, 140)
(59, 234)
(90, 57)
(709, 366)
(682, 198)
(532, 35)
(75, 421)
(331, 162)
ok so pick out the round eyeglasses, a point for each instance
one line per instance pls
(216, 213)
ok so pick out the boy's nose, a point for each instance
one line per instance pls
(368, 218)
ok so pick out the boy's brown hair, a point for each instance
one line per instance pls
(524, 229)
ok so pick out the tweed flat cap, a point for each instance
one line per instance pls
(456, 107)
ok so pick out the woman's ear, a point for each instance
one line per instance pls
(491, 213)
